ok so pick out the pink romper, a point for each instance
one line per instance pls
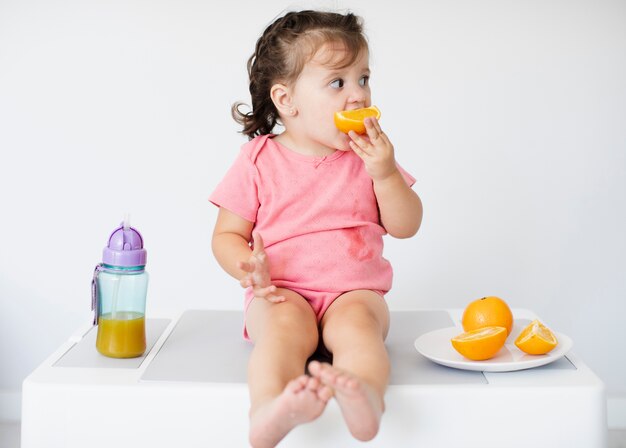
(318, 217)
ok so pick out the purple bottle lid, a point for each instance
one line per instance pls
(125, 248)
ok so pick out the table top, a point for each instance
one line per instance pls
(204, 348)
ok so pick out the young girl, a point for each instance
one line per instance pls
(300, 225)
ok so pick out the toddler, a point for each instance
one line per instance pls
(300, 225)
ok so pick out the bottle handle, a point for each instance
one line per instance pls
(95, 296)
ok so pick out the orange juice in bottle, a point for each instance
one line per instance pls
(119, 290)
(122, 336)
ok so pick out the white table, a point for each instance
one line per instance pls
(189, 390)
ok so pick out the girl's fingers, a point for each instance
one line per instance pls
(245, 282)
(376, 125)
(275, 299)
(258, 248)
(362, 143)
(359, 139)
(359, 152)
(246, 266)
(263, 292)
(372, 127)
(268, 294)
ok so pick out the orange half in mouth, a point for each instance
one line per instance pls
(352, 120)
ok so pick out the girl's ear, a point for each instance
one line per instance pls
(281, 97)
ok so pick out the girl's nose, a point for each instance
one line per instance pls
(357, 94)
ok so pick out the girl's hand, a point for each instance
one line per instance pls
(257, 270)
(375, 150)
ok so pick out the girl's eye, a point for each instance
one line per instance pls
(337, 83)
(364, 81)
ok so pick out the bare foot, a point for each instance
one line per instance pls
(302, 401)
(360, 405)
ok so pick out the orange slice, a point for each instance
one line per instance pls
(480, 344)
(536, 339)
(352, 120)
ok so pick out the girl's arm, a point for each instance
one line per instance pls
(230, 242)
(232, 251)
(400, 207)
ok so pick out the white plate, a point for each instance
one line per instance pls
(437, 347)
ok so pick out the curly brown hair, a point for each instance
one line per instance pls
(281, 53)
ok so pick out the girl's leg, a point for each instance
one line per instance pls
(354, 329)
(282, 397)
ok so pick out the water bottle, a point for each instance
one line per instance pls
(119, 290)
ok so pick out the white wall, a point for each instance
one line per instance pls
(511, 114)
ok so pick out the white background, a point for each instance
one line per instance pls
(510, 114)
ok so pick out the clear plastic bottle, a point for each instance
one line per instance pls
(119, 290)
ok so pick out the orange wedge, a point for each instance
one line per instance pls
(480, 344)
(536, 339)
(352, 120)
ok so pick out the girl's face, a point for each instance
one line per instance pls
(321, 90)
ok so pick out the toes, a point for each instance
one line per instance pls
(326, 373)
(322, 391)
(332, 377)
(322, 369)
(315, 368)
(353, 383)
(313, 383)
(297, 384)
(346, 381)
(325, 393)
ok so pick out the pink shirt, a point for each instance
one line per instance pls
(318, 216)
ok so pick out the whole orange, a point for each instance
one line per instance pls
(486, 312)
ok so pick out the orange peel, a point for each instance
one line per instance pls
(353, 120)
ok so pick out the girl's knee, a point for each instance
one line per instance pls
(359, 331)
(288, 325)
(263, 316)
(292, 323)
(358, 312)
